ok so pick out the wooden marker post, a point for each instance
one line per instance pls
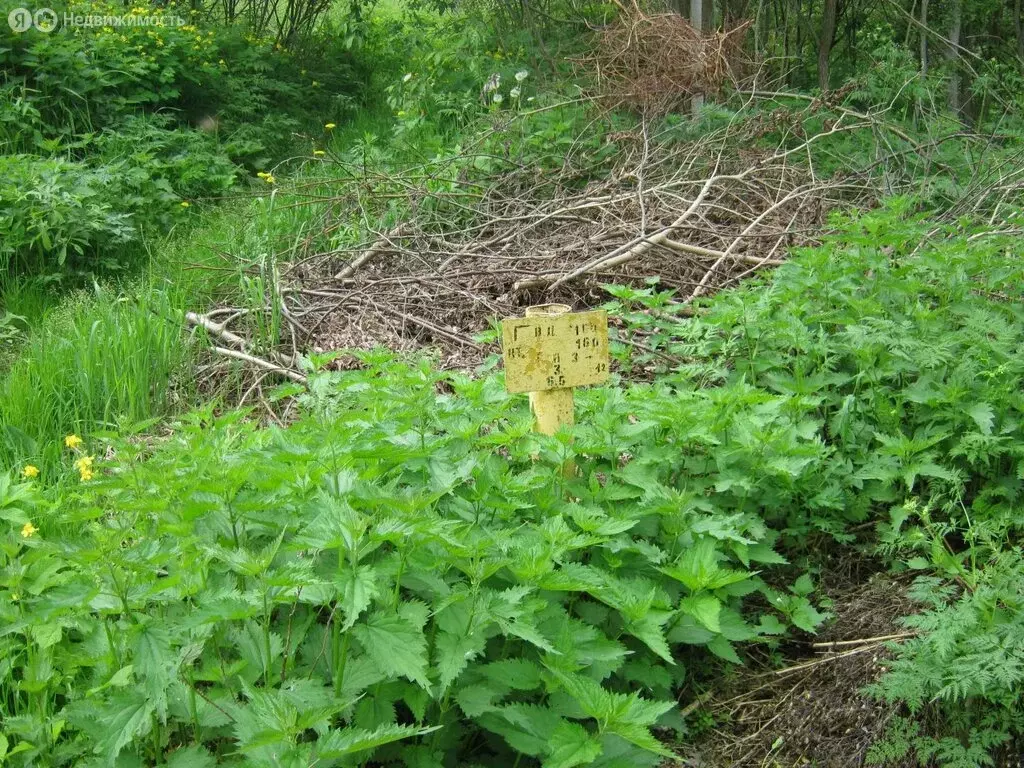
(550, 352)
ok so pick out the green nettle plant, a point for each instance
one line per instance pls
(405, 576)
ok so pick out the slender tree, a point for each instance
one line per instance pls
(828, 31)
(924, 38)
(696, 19)
(1019, 29)
(953, 54)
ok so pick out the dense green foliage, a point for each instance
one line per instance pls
(410, 556)
(406, 574)
(901, 356)
(109, 131)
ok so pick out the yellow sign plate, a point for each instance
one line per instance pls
(555, 351)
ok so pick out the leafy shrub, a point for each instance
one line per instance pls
(54, 207)
(115, 126)
(895, 350)
(58, 211)
(394, 562)
(875, 341)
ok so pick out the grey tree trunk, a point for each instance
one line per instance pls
(956, 9)
(697, 21)
(1019, 28)
(924, 38)
(828, 31)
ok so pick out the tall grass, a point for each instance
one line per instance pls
(115, 354)
(104, 360)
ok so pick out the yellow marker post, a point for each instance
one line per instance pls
(550, 352)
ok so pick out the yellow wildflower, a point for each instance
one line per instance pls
(318, 153)
(14, 597)
(72, 441)
(221, 62)
(269, 178)
(184, 203)
(28, 531)
(330, 127)
(84, 467)
(30, 471)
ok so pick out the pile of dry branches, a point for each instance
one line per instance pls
(461, 247)
(696, 215)
(656, 62)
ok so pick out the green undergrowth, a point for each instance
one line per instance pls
(118, 352)
(888, 363)
(407, 575)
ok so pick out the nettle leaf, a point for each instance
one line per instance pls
(516, 674)
(125, 717)
(349, 741)
(453, 652)
(377, 707)
(474, 700)
(805, 615)
(571, 745)
(191, 757)
(696, 567)
(396, 645)
(723, 649)
(278, 716)
(705, 608)
(648, 629)
(626, 715)
(528, 728)
(803, 585)
(155, 662)
(252, 646)
(357, 586)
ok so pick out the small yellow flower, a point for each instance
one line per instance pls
(30, 471)
(72, 441)
(330, 127)
(269, 179)
(318, 153)
(28, 531)
(14, 597)
(184, 203)
(84, 467)
(221, 62)
(262, 174)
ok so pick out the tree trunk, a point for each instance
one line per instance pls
(924, 38)
(1019, 28)
(953, 55)
(697, 21)
(828, 31)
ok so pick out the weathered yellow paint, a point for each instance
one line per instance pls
(549, 352)
(552, 348)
